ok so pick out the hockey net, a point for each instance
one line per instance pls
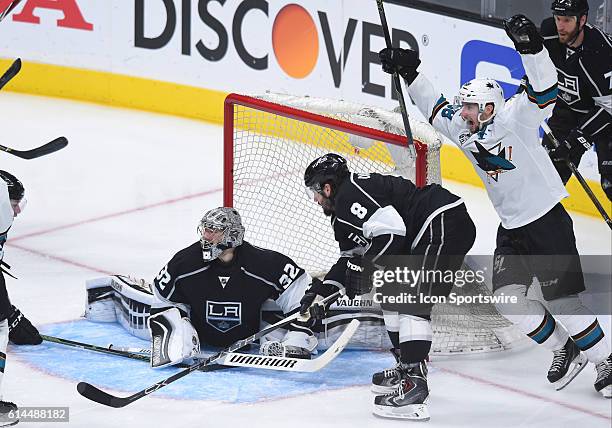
(269, 140)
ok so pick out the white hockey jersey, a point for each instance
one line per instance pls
(6, 215)
(520, 178)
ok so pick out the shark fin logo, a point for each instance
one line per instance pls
(494, 163)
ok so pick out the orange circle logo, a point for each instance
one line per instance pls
(295, 41)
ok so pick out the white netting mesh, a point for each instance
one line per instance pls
(270, 154)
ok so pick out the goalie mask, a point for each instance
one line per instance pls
(220, 229)
(482, 92)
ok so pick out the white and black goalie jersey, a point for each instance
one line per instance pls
(378, 215)
(224, 300)
(585, 87)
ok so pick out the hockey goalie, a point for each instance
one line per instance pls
(213, 293)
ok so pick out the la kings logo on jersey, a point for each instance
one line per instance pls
(223, 316)
(568, 88)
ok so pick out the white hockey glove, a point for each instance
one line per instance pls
(173, 338)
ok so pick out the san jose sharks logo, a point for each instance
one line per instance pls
(493, 164)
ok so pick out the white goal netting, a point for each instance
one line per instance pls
(270, 140)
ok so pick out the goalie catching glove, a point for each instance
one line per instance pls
(173, 338)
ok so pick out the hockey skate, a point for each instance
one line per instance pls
(603, 383)
(387, 381)
(564, 359)
(6, 418)
(409, 400)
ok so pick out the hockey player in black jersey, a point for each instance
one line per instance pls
(212, 292)
(375, 217)
(582, 116)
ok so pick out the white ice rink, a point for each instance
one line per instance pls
(127, 193)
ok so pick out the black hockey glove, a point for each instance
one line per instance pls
(21, 330)
(308, 305)
(358, 279)
(574, 145)
(523, 34)
(404, 61)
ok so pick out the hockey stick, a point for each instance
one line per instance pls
(9, 9)
(118, 352)
(396, 80)
(95, 394)
(10, 72)
(48, 148)
(237, 359)
(579, 177)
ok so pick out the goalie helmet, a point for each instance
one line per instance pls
(222, 219)
(482, 92)
(570, 7)
(15, 187)
(329, 168)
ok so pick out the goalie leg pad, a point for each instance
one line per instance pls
(100, 306)
(174, 339)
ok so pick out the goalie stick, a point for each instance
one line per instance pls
(95, 394)
(10, 72)
(579, 177)
(118, 352)
(270, 362)
(396, 80)
(48, 148)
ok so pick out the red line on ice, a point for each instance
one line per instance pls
(524, 393)
(112, 215)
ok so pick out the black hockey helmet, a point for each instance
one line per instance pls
(570, 7)
(330, 168)
(15, 187)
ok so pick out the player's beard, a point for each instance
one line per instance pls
(570, 37)
(328, 207)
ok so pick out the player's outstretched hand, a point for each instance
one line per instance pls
(404, 61)
(21, 330)
(523, 34)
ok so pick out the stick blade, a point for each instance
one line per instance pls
(51, 147)
(10, 72)
(94, 394)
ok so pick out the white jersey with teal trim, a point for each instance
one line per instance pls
(6, 215)
(520, 178)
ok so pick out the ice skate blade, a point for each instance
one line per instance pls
(382, 390)
(607, 391)
(579, 363)
(414, 412)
